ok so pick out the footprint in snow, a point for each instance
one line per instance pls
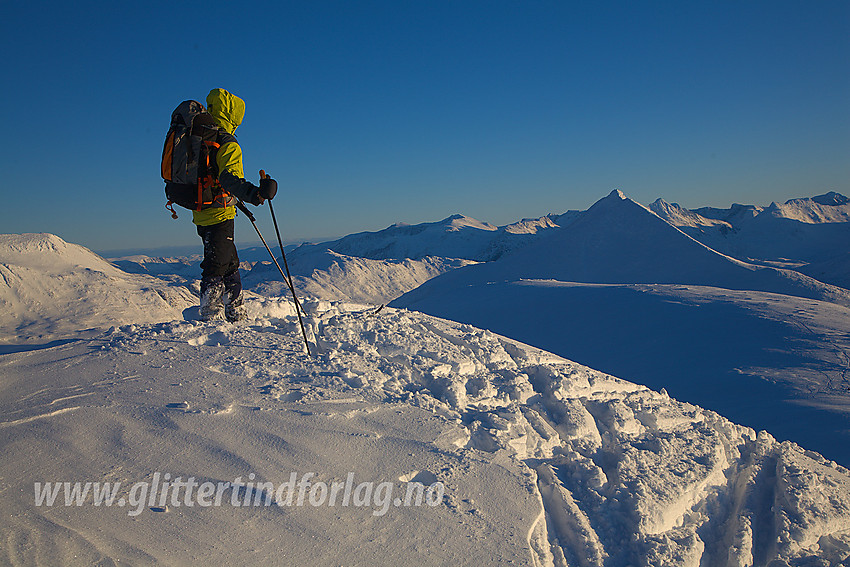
(424, 477)
(214, 339)
(282, 394)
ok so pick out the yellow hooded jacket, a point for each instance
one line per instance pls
(228, 110)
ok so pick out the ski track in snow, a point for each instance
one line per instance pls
(624, 475)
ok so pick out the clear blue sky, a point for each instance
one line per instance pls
(370, 113)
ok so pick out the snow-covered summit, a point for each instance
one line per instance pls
(51, 288)
(831, 207)
(827, 208)
(533, 226)
(48, 251)
(679, 216)
(616, 194)
(459, 222)
(830, 198)
(734, 215)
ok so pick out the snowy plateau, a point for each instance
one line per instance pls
(623, 386)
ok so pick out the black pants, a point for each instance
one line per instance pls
(221, 261)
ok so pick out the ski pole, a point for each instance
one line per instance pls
(280, 243)
(241, 206)
(288, 276)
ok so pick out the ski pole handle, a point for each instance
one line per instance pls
(267, 190)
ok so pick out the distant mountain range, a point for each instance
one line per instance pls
(726, 247)
(806, 235)
(619, 240)
(457, 236)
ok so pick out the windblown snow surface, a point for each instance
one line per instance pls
(544, 461)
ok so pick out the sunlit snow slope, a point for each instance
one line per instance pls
(50, 288)
(545, 462)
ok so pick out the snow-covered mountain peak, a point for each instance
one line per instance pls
(619, 241)
(831, 207)
(32, 242)
(532, 226)
(459, 222)
(663, 209)
(456, 236)
(48, 251)
(734, 215)
(830, 199)
(50, 288)
(679, 216)
(615, 203)
(617, 194)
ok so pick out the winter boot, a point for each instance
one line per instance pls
(234, 309)
(211, 300)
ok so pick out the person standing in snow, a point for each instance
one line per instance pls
(221, 285)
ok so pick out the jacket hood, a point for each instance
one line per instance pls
(228, 109)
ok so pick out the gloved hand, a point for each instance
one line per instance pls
(266, 190)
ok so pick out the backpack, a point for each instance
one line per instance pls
(188, 159)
